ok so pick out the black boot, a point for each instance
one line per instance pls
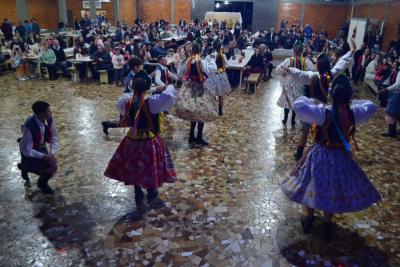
(286, 112)
(139, 196)
(199, 140)
(220, 111)
(293, 118)
(108, 124)
(153, 199)
(299, 153)
(192, 139)
(24, 175)
(391, 131)
(307, 223)
(327, 231)
(42, 183)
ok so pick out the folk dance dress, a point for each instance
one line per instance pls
(196, 101)
(218, 82)
(142, 157)
(328, 178)
(291, 90)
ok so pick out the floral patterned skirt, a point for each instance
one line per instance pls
(330, 180)
(146, 163)
(195, 103)
(290, 92)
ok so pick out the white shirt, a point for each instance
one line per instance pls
(27, 140)
(308, 110)
(207, 67)
(305, 77)
(158, 80)
(157, 103)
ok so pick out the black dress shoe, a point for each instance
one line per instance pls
(105, 127)
(307, 223)
(192, 140)
(201, 142)
(46, 189)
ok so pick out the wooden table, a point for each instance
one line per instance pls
(236, 65)
(84, 60)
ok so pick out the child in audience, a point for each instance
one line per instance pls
(118, 62)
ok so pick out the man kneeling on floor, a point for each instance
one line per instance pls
(38, 130)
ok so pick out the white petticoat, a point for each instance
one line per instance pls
(218, 84)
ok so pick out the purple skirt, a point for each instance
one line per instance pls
(330, 180)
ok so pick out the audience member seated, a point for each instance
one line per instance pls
(61, 61)
(255, 65)
(102, 59)
(372, 67)
(17, 63)
(49, 60)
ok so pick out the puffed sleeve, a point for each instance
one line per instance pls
(342, 64)
(302, 77)
(309, 65)
(282, 65)
(363, 110)
(208, 67)
(308, 111)
(162, 102)
(182, 68)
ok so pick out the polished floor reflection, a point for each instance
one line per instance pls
(225, 210)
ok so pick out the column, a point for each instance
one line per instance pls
(22, 12)
(92, 9)
(62, 9)
(303, 10)
(117, 11)
(172, 18)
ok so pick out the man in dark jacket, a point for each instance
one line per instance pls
(61, 61)
(35, 27)
(103, 62)
(21, 30)
(6, 28)
(356, 57)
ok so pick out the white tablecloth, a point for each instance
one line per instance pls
(221, 16)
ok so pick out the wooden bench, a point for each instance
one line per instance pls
(103, 76)
(372, 85)
(253, 80)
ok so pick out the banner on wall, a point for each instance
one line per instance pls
(86, 4)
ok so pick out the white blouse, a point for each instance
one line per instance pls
(157, 103)
(207, 67)
(305, 77)
(311, 111)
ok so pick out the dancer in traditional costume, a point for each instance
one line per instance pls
(39, 130)
(290, 89)
(164, 76)
(195, 102)
(142, 159)
(218, 82)
(327, 177)
(135, 66)
(318, 83)
(392, 111)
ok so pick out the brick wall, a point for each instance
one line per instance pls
(329, 16)
(152, 10)
(76, 6)
(8, 10)
(183, 9)
(128, 11)
(320, 16)
(46, 12)
(377, 11)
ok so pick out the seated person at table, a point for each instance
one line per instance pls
(29, 52)
(163, 75)
(80, 51)
(38, 130)
(173, 45)
(19, 64)
(49, 60)
(255, 65)
(267, 61)
(60, 40)
(103, 62)
(61, 61)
